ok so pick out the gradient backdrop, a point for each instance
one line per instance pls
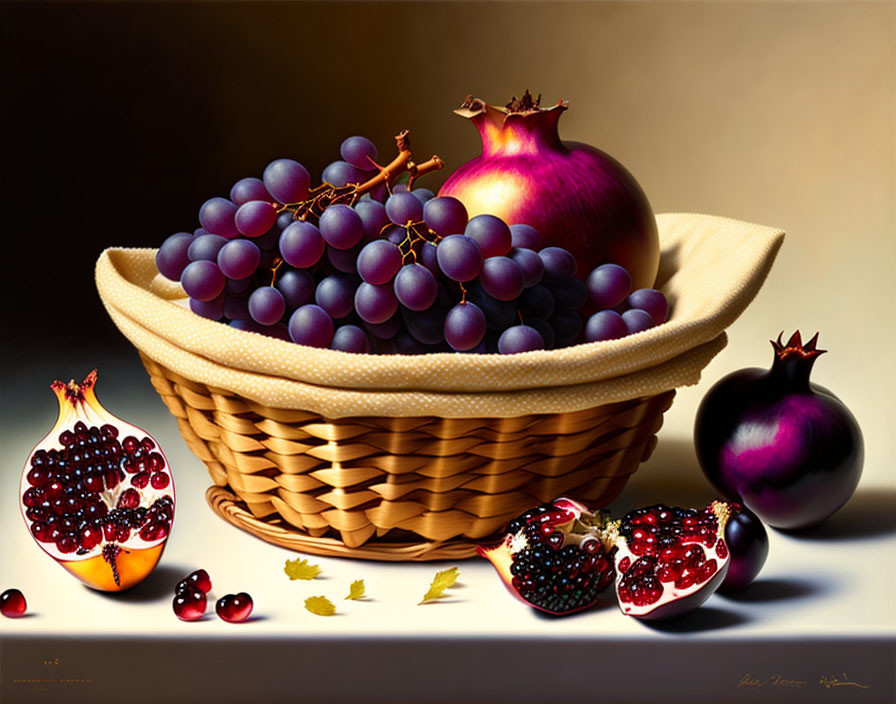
(120, 119)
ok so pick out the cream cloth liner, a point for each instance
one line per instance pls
(710, 269)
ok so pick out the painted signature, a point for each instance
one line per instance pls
(827, 681)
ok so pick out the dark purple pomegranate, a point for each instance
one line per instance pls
(788, 449)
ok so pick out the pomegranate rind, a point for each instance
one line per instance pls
(137, 557)
(133, 567)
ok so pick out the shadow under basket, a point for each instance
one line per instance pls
(418, 488)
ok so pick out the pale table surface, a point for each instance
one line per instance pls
(821, 613)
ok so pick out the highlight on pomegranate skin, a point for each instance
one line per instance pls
(97, 493)
(576, 196)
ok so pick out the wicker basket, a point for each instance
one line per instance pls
(416, 458)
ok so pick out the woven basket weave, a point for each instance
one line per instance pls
(419, 458)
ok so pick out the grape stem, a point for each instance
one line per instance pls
(327, 194)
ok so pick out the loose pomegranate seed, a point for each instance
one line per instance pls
(159, 480)
(12, 603)
(198, 580)
(234, 608)
(190, 604)
(140, 480)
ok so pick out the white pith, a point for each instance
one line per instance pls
(72, 411)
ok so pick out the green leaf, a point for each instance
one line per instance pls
(442, 581)
(320, 605)
(356, 590)
(300, 569)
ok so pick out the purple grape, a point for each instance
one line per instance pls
(238, 287)
(567, 325)
(465, 326)
(386, 330)
(236, 307)
(379, 262)
(373, 216)
(559, 265)
(266, 305)
(498, 314)
(608, 285)
(213, 309)
(297, 287)
(200, 231)
(270, 240)
(537, 302)
(429, 257)
(350, 338)
(301, 245)
(637, 320)
(359, 152)
(423, 194)
(491, 234)
(202, 280)
(405, 343)
(415, 287)
(747, 540)
(344, 260)
(525, 237)
(605, 325)
(255, 218)
(247, 189)
(341, 227)
(173, 256)
(530, 264)
(396, 235)
(572, 295)
(445, 215)
(545, 330)
(239, 259)
(379, 192)
(520, 338)
(287, 181)
(285, 219)
(501, 278)
(336, 295)
(427, 326)
(206, 247)
(375, 304)
(310, 325)
(403, 208)
(217, 216)
(459, 258)
(341, 173)
(651, 301)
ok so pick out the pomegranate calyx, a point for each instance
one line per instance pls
(793, 361)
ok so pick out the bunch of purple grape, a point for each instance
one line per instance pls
(364, 264)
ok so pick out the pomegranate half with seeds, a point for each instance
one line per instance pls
(665, 562)
(97, 493)
(669, 560)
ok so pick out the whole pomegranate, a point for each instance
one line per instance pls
(576, 196)
(97, 493)
(788, 449)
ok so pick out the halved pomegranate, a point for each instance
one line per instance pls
(669, 560)
(553, 557)
(97, 493)
(559, 557)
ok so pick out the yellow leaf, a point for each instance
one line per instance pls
(441, 582)
(320, 605)
(300, 569)
(356, 590)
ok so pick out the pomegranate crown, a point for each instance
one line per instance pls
(527, 105)
(796, 348)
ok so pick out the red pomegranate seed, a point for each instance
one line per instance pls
(159, 480)
(196, 580)
(140, 480)
(129, 498)
(67, 544)
(190, 604)
(234, 608)
(90, 537)
(12, 603)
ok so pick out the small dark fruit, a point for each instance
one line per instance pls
(198, 579)
(234, 608)
(12, 603)
(189, 604)
(747, 541)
